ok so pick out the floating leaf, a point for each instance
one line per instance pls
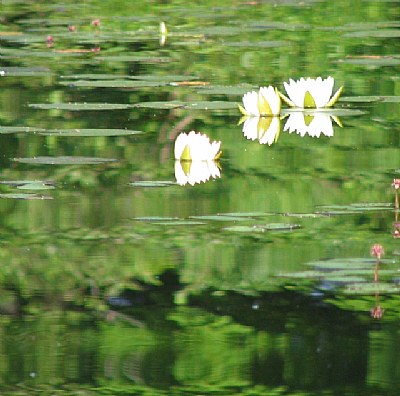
(355, 208)
(164, 78)
(152, 183)
(113, 83)
(25, 71)
(24, 196)
(237, 90)
(63, 160)
(29, 184)
(372, 288)
(246, 229)
(372, 61)
(7, 129)
(90, 132)
(156, 218)
(201, 105)
(263, 228)
(369, 99)
(377, 33)
(219, 217)
(94, 76)
(134, 58)
(80, 106)
(257, 44)
(160, 105)
(248, 214)
(180, 223)
(346, 263)
(168, 221)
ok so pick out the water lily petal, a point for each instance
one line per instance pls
(311, 93)
(250, 103)
(196, 147)
(195, 172)
(271, 96)
(312, 124)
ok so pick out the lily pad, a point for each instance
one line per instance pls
(113, 83)
(174, 104)
(29, 184)
(248, 214)
(64, 160)
(171, 221)
(90, 132)
(369, 99)
(257, 44)
(134, 58)
(94, 76)
(201, 105)
(372, 288)
(25, 71)
(372, 61)
(152, 183)
(156, 218)
(24, 196)
(221, 218)
(376, 33)
(355, 208)
(346, 263)
(263, 228)
(7, 130)
(234, 90)
(80, 106)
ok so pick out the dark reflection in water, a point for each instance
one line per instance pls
(114, 279)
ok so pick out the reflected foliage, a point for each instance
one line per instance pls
(115, 279)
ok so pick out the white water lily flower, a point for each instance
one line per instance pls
(313, 124)
(265, 102)
(196, 147)
(265, 130)
(192, 172)
(311, 93)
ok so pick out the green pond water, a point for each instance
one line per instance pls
(118, 277)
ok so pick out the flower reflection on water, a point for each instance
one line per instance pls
(264, 129)
(192, 172)
(196, 158)
(311, 123)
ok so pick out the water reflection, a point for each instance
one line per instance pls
(267, 129)
(264, 129)
(311, 123)
(192, 172)
(377, 311)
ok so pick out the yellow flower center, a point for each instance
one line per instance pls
(308, 119)
(309, 100)
(263, 105)
(186, 154)
(186, 165)
(263, 126)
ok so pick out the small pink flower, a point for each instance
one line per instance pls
(49, 41)
(396, 184)
(377, 251)
(377, 312)
(96, 22)
(71, 28)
